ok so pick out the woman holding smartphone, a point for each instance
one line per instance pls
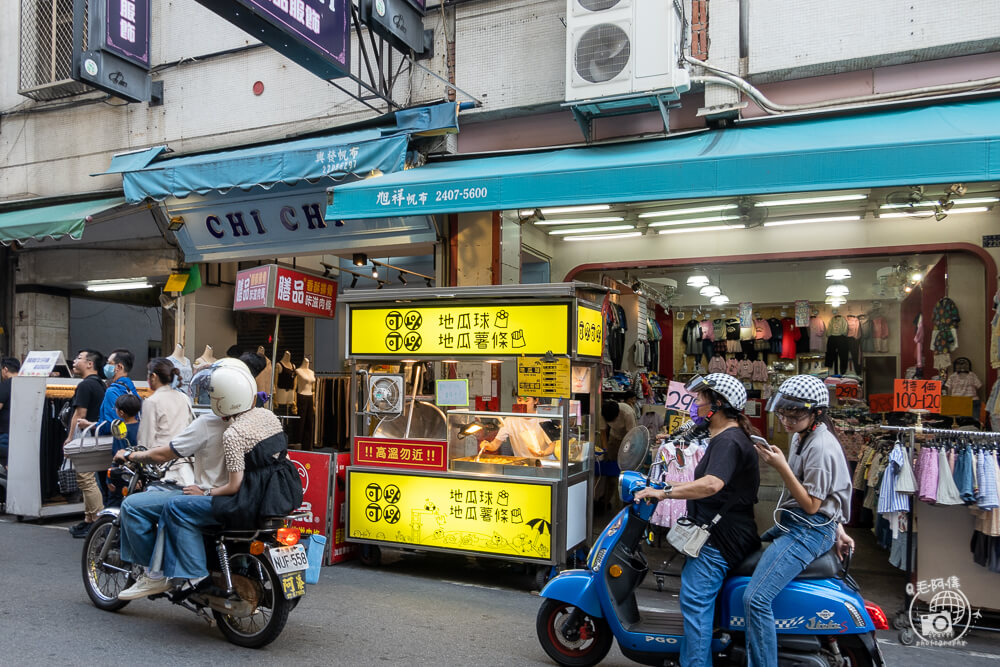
(810, 520)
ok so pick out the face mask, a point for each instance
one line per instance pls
(695, 417)
(109, 370)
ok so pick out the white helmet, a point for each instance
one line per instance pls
(731, 389)
(230, 387)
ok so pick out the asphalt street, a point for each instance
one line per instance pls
(414, 609)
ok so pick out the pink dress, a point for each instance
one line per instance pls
(668, 511)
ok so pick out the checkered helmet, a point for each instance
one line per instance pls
(800, 392)
(731, 389)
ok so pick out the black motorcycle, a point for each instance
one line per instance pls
(256, 576)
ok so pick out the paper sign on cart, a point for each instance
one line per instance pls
(452, 393)
(678, 398)
(41, 364)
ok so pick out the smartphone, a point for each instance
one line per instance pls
(758, 440)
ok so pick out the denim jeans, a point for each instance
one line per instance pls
(184, 547)
(788, 555)
(701, 580)
(142, 543)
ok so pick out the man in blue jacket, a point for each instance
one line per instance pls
(116, 370)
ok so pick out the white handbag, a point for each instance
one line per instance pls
(89, 451)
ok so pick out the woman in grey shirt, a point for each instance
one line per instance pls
(810, 521)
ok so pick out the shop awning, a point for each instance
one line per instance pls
(51, 221)
(944, 143)
(336, 156)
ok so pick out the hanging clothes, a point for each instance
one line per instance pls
(918, 340)
(880, 331)
(947, 492)
(817, 329)
(681, 461)
(927, 474)
(776, 334)
(889, 499)
(691, 336)
(963, 476)
(789, 337)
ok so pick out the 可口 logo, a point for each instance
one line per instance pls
(948, 614)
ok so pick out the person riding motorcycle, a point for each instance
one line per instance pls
(726, 483)
(818, 482)
(262, 480)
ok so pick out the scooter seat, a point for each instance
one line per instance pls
(827, 566)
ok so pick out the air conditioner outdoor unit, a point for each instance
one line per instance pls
(621, 47)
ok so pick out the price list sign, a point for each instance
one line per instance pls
(917, 395)
(543, 379)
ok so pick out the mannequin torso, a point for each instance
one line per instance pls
(206, 359)
(183, 364)
(284, 381)
(305, 379)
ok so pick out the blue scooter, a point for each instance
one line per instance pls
(821, 618)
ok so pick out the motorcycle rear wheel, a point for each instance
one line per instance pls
(587, 651)
(102, 583)
(271, 613)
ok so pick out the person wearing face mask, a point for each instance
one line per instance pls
(116, 371)
(725, 485)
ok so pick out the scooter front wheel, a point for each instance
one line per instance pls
(592, 636)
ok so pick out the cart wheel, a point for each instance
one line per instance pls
(659, 583)
(901, 621)
(371, 555)
(542, 576)
(907, 637)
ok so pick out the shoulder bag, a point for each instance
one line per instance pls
(688, 537)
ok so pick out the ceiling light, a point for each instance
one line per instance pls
(713, 228)
(719, 300)
(692, 221)
(687, 211)
(811, 200)
(932, 203)
(838, 274)
(579, 221)
(602, 237)
(118, 285)
(907, 289)
(836, 301)
(360, 259)
(698, 280)
(916, 277)
(804, 221)
(929, 213)
(374, 271)
(837, 289)
(176, 222)
(609, 228)
(576, 209)
(710, 290)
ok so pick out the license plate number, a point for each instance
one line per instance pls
(289, 559)
(292, 585)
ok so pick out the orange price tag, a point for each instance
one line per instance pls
(846, 390)
(917, 395)
(880, 402)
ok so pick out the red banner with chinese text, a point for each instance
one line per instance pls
(392, 453)
(314, 472)
(279, 290)
(917, 395)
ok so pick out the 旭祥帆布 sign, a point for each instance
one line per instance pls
(460, 330)
(467, 515)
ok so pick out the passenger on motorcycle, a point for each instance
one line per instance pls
(726, 483)
(262, 480)
(818, 482)
(142, 542)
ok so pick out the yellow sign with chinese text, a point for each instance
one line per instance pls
(461, 330)
(543, 379)
(480, 516)
(589, 332)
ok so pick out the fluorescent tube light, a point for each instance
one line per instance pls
(602, 237)
(930, 212)
(579, 221)
(719, 300)
(576, 209)
(932, 204)
(804, 221)
(609, 228)
(119, 285)
(692, 221)
(687, 211)
(710, 290)
(716, 228)
(811, 200)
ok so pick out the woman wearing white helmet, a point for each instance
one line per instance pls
(725, 486)
(811, 519)
(262, 481)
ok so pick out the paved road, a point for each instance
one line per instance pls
(416, 610)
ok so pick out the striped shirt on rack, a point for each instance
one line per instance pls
(890, 500)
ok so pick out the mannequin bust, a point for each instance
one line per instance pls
(284, 381)
(264, 379)
(206, 359)
(305, 379)
(182, 363)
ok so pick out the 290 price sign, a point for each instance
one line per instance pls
(917, 395)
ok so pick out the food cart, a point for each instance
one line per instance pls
(421, 476)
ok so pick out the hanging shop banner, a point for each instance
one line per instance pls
(279, 290)
(342, 549)
(470, 515)
(880, 403)
(746, 314)
(460, 330)
(917, 395)
(396, 453)
(801, 313)
(589, 332)
(314, 472)
(41, 364)
(543, 378)
(127, 29)
(678, 398)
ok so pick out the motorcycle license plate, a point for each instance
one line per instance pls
(292, 585)
(289, 559)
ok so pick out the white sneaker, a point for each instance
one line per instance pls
(145, 586)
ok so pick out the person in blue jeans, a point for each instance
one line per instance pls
(810, 521)
(725, 484)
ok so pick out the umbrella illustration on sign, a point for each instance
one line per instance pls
(540, 542)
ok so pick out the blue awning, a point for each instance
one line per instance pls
(337, 157)
(944, 143)
(52, 221)
(133, 160)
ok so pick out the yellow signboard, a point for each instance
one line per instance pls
(675, 420)
(461, 330)
(176, 282)
(589, 332)
(482, 516)
(544, 379)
